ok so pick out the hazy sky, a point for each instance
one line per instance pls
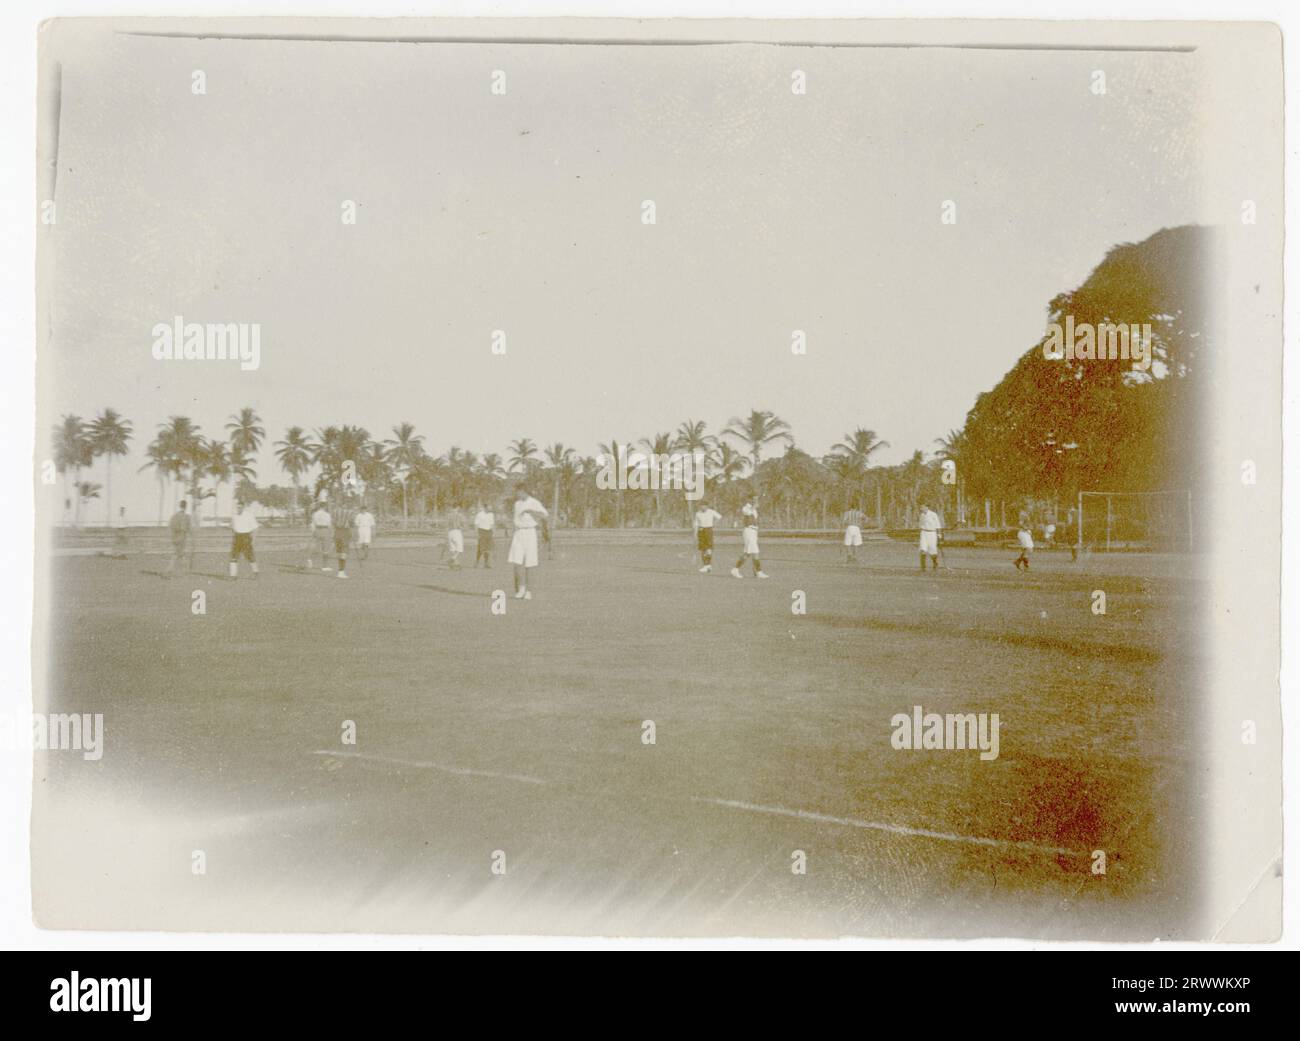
(522, 212)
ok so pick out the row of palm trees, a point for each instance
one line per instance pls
(178, 452)
(399, 471)
(77, 444)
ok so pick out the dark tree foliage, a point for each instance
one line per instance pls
(1052, 427)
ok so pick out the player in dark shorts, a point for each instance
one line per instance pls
(484, 525)
(180, 532)
(242, 525)
(343, 514)
(705, 517)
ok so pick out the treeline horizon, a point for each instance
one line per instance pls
(1047, 430)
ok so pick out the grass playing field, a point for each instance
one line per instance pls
(523, 733)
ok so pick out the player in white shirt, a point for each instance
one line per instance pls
(705, 517)
(853, 521)
(485, 523)
(749, 543)
(455, 537)
(322, 536)
(1026, 539)
(523, 544)
(365, 523)
(930, 527)
(243, 524)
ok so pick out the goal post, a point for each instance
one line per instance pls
(1134, 520)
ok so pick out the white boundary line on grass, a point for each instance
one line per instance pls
(895, 829)
(460, 771)
(734, 804)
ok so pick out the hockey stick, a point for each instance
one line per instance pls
(943, 559)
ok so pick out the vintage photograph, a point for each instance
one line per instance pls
(609, 478)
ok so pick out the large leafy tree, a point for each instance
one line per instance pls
(1053, 427)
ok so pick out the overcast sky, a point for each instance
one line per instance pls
(522, 212)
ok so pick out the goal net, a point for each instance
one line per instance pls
(1135, 520)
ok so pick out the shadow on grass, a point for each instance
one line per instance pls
(1036, 641)
(188, 573)
(435, 565)
(455, 592)
(720, 571)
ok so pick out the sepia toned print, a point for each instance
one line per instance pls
(784, 479)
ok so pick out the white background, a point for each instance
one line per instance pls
(18, 23)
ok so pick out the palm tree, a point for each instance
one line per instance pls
(429, 475)
(87, 490)
(185, 445)
(755, 432)
(246, 432)
(857, 448)
(159, 458)
(351, 444)
(912, 475)
(693, 440)
(218, 466)
(246, 437)
(523, 456)
(73, 451)
(847, 473)
(294, 454)
(691, 437)
(325, 454)
(561, 460)
(658, 447)
(611, 454)
(797, 480)
(586, 468)
(487, 473)
(241, 467)
(460, 466)
(952, 448)
(728, 463)
(109, 435)
(374, 470)
(404, 450)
